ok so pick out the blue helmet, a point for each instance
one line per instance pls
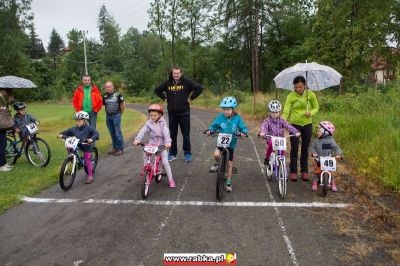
(228, 102)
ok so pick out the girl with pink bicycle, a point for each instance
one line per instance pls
(159, 137)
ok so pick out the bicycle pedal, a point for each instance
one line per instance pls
(234, 170)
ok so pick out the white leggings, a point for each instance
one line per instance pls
(165, 163)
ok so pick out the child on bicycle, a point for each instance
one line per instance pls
(159, 135)
(228, 122)
(274, 125)
(85, 133)
(324, 145)
(21, 119)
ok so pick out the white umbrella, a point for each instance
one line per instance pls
(318, 77)
(12, 82)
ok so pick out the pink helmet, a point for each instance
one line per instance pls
(328, 126)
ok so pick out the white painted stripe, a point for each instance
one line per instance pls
(192, 203)
(277, 212)
(47, 200)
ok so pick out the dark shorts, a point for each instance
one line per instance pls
(231, 152)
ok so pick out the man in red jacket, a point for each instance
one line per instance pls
(87, 97)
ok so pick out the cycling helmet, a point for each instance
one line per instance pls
(19, 105)
(328, 126)
(81, 115)
(228, 102)
(274, 106)
(156, 107)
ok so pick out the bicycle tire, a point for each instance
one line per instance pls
(94, 156)
(64, 184)
(325, 180)
(282, 180)
(11, 152)
(37, 152)
(221, 176)
(145, 184)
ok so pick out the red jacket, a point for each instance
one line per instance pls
(97, 99)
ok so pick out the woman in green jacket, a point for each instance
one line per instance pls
(301, 105)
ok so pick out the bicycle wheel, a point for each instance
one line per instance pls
(67, 173)
(282, 180)
(94, 158)
(145, 184)
(221, 176)
(325, 180)
(11, 152)
(38, 152)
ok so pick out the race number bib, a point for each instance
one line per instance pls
(224, 140)
(278, 144)
(328, 163)
(71, 143)
(150, 149)
(32, 128)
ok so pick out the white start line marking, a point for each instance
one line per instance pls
(191, 203)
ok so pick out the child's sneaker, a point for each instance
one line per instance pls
(229, 187)
(4, 169)
(214, 167)
(314, 186)
(171, 157)
(89, 179)
(266, 161)
(171, 183)
(333, 186)
(188, 157)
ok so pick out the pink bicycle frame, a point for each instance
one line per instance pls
(154, 167)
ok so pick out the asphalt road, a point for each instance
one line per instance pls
(133, 233)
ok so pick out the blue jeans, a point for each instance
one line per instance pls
(92, 119)
(114, 127)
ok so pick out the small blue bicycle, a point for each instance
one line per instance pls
(75, 161)
(36, 150)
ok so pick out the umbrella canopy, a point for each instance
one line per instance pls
(318, 76)
(12, 82)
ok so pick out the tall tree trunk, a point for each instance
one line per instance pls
(173, 31)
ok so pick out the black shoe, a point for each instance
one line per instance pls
(266, 161)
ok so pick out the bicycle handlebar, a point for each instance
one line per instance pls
(215, 133)
(270, 136)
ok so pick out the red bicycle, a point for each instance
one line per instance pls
(151, 169)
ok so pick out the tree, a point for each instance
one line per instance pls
(36, 48)
(109, 37)
(56, 43)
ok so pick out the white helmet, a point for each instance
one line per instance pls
(81, 115)
(274, 106)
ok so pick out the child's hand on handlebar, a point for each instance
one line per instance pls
(89, 141)
(207, 132)
(339, 157)
(298, 134)
(60, 136)
(167, 146)
(314, 155)
(136, 142)
(243, 134)
(261, 134)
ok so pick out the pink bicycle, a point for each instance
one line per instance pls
(151, 169)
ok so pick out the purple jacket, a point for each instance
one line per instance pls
(275, 127)
(159, 132)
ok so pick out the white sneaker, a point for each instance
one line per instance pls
(4, 168)
(8, 165)
(214, 167)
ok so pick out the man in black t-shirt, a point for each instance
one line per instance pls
(179, 91)
(115, 106)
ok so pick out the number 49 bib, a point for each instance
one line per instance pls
(224, 140)
(328, 163)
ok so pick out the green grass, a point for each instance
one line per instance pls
(26, 179)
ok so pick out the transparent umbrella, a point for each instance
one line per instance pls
(12, 82)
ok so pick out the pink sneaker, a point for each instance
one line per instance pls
(89, 180)
(314, 185)
(333, 186)
(171, 183)
(293, 177)
(304, 176)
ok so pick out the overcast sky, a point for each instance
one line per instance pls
(64, 15)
